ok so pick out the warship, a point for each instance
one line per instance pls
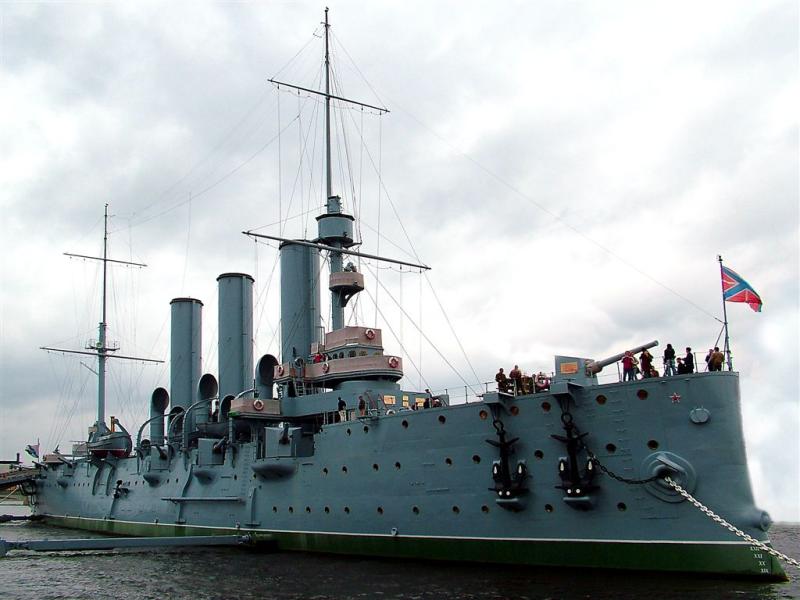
(322, 448)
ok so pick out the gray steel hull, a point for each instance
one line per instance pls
(419, 484)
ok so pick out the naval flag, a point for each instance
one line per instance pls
(33, 450)
(736, 289)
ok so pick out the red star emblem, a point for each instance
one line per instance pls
(676, 397)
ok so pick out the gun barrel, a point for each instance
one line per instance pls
(596, 366)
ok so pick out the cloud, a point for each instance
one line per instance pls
(570, 171)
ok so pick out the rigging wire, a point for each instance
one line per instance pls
(301, 152)
(296, 216)
(218, 146)
(280, 166)
(360, 178)
(355, 66)
(299, 172)
(297, 54)
(262, 299)
(381, 186)
(213, 185)
(552, 214)
(399, 342)
(188, 243)
(422, 333)
(420, 324)
(296, 321)
(346, 142)
(224, 140)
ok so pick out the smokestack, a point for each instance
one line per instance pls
(158, 404)
(300, 318)
(185, 344)
(235, 333)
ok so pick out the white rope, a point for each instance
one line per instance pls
(733, 529)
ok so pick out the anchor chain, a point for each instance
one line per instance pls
(733, 529)
(619, 478)
(566, 417)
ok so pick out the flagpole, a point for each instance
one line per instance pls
(725, 316)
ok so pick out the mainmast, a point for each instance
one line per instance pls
(101, 343)
(101, 349)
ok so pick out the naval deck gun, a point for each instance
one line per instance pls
(594, 367)
(584, 371)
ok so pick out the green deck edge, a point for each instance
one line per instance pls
(738, 560)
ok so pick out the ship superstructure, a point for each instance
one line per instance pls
(323, 449)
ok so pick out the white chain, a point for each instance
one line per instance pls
(717, 519)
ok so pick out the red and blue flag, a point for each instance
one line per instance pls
(736, 289)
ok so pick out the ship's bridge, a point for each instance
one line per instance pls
(346, 354)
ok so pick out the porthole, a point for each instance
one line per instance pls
(514, 410)
(652, 444)
(548, 508)
(344, 469)
(621, 506)
(380, 510)
(405, 424)
(484, 509)
(415, 510)
(442, 419)
(476, 459)
(448, 461)
(456, 510)
(397, 465)
(483, 415)
(642, 394)
(601, 399)
(539, 454)
(611, 448)
(375, 466)
(546, 406)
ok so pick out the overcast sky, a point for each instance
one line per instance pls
(570, 170)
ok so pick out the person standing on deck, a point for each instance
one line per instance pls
(688, 361)
(669, 361)
(516, 377)
(628, 367)
(717, 358)
(646, 360)
(502, 381)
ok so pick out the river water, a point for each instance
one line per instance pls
(222, 573)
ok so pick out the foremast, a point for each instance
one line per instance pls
(299, 267)
(334, 227)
